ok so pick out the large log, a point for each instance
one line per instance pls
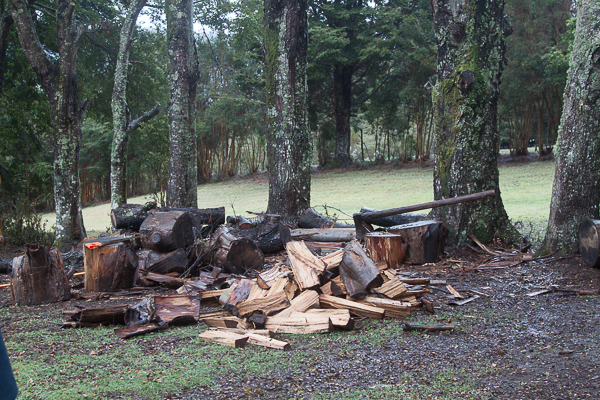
(163, 263)
(324, 235)
(312, 219)
(359, 266)
(266, 234)
(235, 254)
(426, 240)
(386, 247)
(361, 218)
(589, 242)
(201, 217)
(167, 231)
(130, 216)
(109, 268)
(393, 220)
(39, 277)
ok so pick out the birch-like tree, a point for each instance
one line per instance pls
(576, 189)
(289, 149)
(471, 42)
(59, 82)
(183, 75)
(123, 126)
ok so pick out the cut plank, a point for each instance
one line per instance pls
(224, 338)
(341, 319)
(303, 302)
(393, 308)
(265, 305)
(305, 324)
(362, 310)
(394, 288)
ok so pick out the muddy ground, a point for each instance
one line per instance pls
(506, 345)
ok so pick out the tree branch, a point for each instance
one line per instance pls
(144, 118)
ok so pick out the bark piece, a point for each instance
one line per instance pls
(324, 235)
(303, 324)
(589, 242)
(137, 330)
(177, 309)
(426, 240)
(393, 308)
(361, 310)
(113, 315)
(139, 314)
(394, 288)
(266, 305)
(393, 220)
(312, 219)
(306, 267)
(339, 282)
(167, 231)
(130, 216)
(301, 303)
(353, 288)
(39, 277)
(386, 247)
(224, 338)
(165, 280)
(163, 263)
(359, 266)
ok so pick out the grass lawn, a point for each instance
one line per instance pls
(526, 190)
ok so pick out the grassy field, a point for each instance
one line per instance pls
(526, 190)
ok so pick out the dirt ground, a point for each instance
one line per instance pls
(507, 345)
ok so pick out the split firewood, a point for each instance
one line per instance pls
(209, 295)
(338, 281)
(428, 305)
(308, 323)
(361, 310)
(224, 338)
(427, 328)
(393, 308)
(130, 216)
(265, 305)
(331, 288)
(425, 240)
(454, 292)
(340, 318)
(353, 288)
(257, 292)
(388, 274)
(137, 330)
(239, 293)
(382, 246)
(333, 259)
(359, 266)
(303, 302)
(265, 279)
(167, 231)
(306, 267)
(394, 288)
(165, 280)
(177, 309)
(382, 265)
(213, 314)
(225, 322)
(261, 332)
(39, 277)
(312, 219)
(260, 338)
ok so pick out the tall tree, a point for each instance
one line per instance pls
(471, 36)
(289, 140)
(576, 189)
(6, 22)
(183, 79)
(59, 82)
(122, 123)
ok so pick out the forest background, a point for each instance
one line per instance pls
(379, 55)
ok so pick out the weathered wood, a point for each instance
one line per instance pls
(331, 288)
(306, 267)
(426, 240)
(234, 254)
(261, 337)
(213, 314)
(359, 218)
(167, 231)
(427, 328)
(200, 217)
(362, 310)
(339, 282)
(359, 266)
(239, 222)
(393, 220)
(112, 315)
(162, 263)
(324, 235)
(303, 302)
(130, 216)
(265, 305)
(266, 278)
(212, 294)
(333, 259)
(39, 277)
(140, 313)
(178, 308)
(386, 247)
(109, 268)
(312, 219)
(394, 288)
(265, 235)
(454, 292)
(137, 330)
(393, 308)
(301, 324)
(224, 322)
(224, 338)
(340, 318)
(164, 280)
(589, 242)
(238, 294)
(352, 287)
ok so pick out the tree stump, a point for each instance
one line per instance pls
(426, 240)
(167, 231)
(130, 216)
(386, 247)
(589, 242)
(39, 277)
(109, 268)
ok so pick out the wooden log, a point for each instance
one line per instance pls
(394, 288)
(178, 308)
(361, 310)
(312, 219)
(425, 240)
(224, 338)
(39, 277)
(130, 216)
(589, 242)
(265, 235)
(359, 266)
(265, 305)
(162, 263)
(304, 324)
(340, 318)
(234, 254)
(352, 287)
(324, 235)
(393, 308)
(239, 222)
(393, 220)
(303, 302)
(306, 270)
(200, 217)
(167, 231)
(387, 247)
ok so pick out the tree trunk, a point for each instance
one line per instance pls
(6, 21)
(471, 56)
(183, 72)
(59, 82)
(342, 104)
(576, 189)
(289, 137)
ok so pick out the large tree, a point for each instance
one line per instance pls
(183, 79)
(59, 82)
(576, 189)
(289, 139)
(471, 36)
(123, 126)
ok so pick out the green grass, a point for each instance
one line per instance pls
(525, 189)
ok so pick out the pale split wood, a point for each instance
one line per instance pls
(361, 310)
(225, 338)
(305, 324)
(394, 288)
(265, 305)
(340, 318)
(340, 283)
(393, 308)
(301, 251)
(305, 271)
(265, 279)
(333, 259)
(257, 292)
(303, 302)
(262, 332)
(454, 292)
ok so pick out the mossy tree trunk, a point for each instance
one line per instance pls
(289, 140)
(122, 124)
(471, 36)
(183, 74)
(6, 22)
(59, 82)
(576, 189)
(342, 106)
